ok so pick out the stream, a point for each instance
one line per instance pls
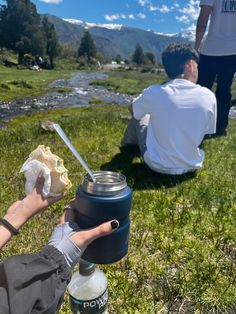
(79, 96)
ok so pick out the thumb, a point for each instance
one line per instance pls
(39, 183)
(84, 238)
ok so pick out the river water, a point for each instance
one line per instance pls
(79, 96)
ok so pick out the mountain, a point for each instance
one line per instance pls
(113, 39)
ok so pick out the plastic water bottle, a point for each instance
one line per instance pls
(88, 290)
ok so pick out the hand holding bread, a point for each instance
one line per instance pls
(53, 169)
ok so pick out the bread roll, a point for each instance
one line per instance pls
(59, 174)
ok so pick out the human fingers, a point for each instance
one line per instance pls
(38, 187)
(53, 199)
(83, 238)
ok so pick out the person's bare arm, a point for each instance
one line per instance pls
(202, 24)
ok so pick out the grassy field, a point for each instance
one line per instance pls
(15, 83)
(18, 83)
(133, 82)
(183, 230)
(130, 82)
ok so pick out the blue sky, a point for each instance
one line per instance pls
(163, 16)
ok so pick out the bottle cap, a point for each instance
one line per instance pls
(86, 268)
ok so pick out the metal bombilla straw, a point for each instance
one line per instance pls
(73, 150)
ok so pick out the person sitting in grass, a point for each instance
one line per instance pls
(36, 283)
(169, 121)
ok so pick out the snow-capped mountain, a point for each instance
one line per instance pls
(189, 35)
(113, 39)
(90, 25)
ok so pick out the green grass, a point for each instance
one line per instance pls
(19, 83)
(130, 82)
(183, 230)
(133, 82)
(95, 101)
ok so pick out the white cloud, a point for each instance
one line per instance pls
(176, 5)
(189, 32)
(141, 15)
(131, 16)
(183, 19)
(143, 2)
(118, 16)
(153, 8)
(51, 1)
(191, 28)
(164, 9)
(191, 9)
(113, 17)
(189, 13)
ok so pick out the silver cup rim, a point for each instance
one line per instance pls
(107, 183)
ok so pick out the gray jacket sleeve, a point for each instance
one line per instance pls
(33, 283)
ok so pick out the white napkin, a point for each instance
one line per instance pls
(31, 171)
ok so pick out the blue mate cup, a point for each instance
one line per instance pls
(98, 201)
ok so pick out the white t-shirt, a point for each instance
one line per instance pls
(181, 113)
(221, 36)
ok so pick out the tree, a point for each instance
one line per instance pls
(2, 37)
(138, 55)
(87, 47)
(150, 58)
(52, 43)
(67, 51)
(118, 59)
(20, 28)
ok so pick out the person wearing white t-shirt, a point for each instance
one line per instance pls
(217, 53)
(170, 120)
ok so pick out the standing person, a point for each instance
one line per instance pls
(170, 120)
(217, 53)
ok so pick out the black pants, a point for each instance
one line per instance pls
(221, 69)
